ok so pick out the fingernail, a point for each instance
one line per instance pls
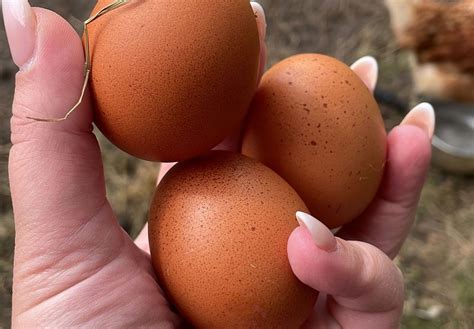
(422, 116)
(367, 69)
(322, 236)
(261, 20)
(20, 26)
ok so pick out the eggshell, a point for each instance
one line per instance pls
(218, 230)
(172, 79)
(318, 126)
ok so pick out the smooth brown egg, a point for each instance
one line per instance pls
(218, 230)
(172, 79)
(318, 126)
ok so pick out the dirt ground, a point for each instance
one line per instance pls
(437, 260)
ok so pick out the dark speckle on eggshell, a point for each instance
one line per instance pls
(219, 224)
(349, 134)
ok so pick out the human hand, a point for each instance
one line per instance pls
(73, 263)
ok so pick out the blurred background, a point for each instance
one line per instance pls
(438, 258)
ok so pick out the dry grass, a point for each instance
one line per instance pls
(130, 184)
(438, 259)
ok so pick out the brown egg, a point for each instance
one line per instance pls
(318, 126)
(219, 227)
(172, 79)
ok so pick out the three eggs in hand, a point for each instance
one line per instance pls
(171, 80)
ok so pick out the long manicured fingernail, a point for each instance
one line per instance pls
(261, 20)
(262, 33)
(322, 236)
(20, 26)
(422, 116)
(368, 70)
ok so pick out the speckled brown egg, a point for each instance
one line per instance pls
(172, 79)
(318, 126)
(218, 230)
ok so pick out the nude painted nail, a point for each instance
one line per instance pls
(367, 69)
(422, 116)
(262, 32)
(261, 20)
(322, 236)
(20, 26)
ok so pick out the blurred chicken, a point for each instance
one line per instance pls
(440, 37)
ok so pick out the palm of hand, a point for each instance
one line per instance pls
(115, 288)
(85, 270)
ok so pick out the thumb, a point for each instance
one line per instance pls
(50, 56)
(363, 284)
(56, 175)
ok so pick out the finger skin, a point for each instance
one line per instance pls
(387, 222)
(142, 241)
(55, 169)
(365, 287)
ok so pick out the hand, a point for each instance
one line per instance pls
(74, 265)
